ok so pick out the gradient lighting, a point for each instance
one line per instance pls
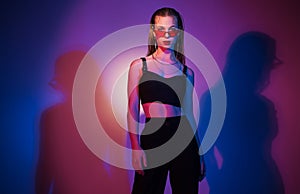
(39, 33)
(217, 25)
(114, 83)
(103, 52)
(88, 73)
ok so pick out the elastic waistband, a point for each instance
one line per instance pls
(165, 118)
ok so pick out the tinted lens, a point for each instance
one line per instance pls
(159, 33)
(171, 33)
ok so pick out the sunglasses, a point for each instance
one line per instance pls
(171, 32)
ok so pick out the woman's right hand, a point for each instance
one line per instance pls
(139, 160)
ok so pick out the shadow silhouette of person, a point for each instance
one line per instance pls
(65, 164)
(240, 161)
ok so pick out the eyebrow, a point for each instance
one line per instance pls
(160, 26)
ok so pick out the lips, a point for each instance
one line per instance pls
(167, 42)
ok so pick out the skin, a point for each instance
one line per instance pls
(170, 67)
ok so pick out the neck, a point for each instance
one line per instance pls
(164, 54)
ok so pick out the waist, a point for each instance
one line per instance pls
(160, 110)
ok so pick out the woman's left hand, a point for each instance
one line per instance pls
(202, 168)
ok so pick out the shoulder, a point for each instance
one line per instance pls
(135, 69)
(189, 74)
(136, 66)
(136, 63)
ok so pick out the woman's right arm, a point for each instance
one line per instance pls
(133, 115)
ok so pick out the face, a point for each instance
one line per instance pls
(165, 31)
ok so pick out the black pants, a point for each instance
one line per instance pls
(184, 169)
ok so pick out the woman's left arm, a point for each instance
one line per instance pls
(188, 110)
(188, 102)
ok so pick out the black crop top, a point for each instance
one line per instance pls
(153, 87)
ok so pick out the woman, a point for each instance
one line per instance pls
(164, 85)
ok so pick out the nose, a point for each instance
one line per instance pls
(167, 35)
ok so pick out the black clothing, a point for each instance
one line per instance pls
(183, 167)
(153, 87)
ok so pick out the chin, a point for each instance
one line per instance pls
(168, 47)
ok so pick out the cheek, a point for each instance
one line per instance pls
(174, 39)
(157, 38)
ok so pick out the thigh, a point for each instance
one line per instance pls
(152, 182)
(185, 171)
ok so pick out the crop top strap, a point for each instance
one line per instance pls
(184, 70)
(144, 68)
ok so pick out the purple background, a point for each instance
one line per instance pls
(35, 34)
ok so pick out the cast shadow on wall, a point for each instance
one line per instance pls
(240, 160)
(65, 164)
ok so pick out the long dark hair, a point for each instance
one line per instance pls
(179, 45)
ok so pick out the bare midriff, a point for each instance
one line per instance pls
(157, 109)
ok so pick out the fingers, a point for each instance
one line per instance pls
(139, 161)
(203, 168)
(137, 165)
(141, 172)
(144, 160)
(142, 163)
